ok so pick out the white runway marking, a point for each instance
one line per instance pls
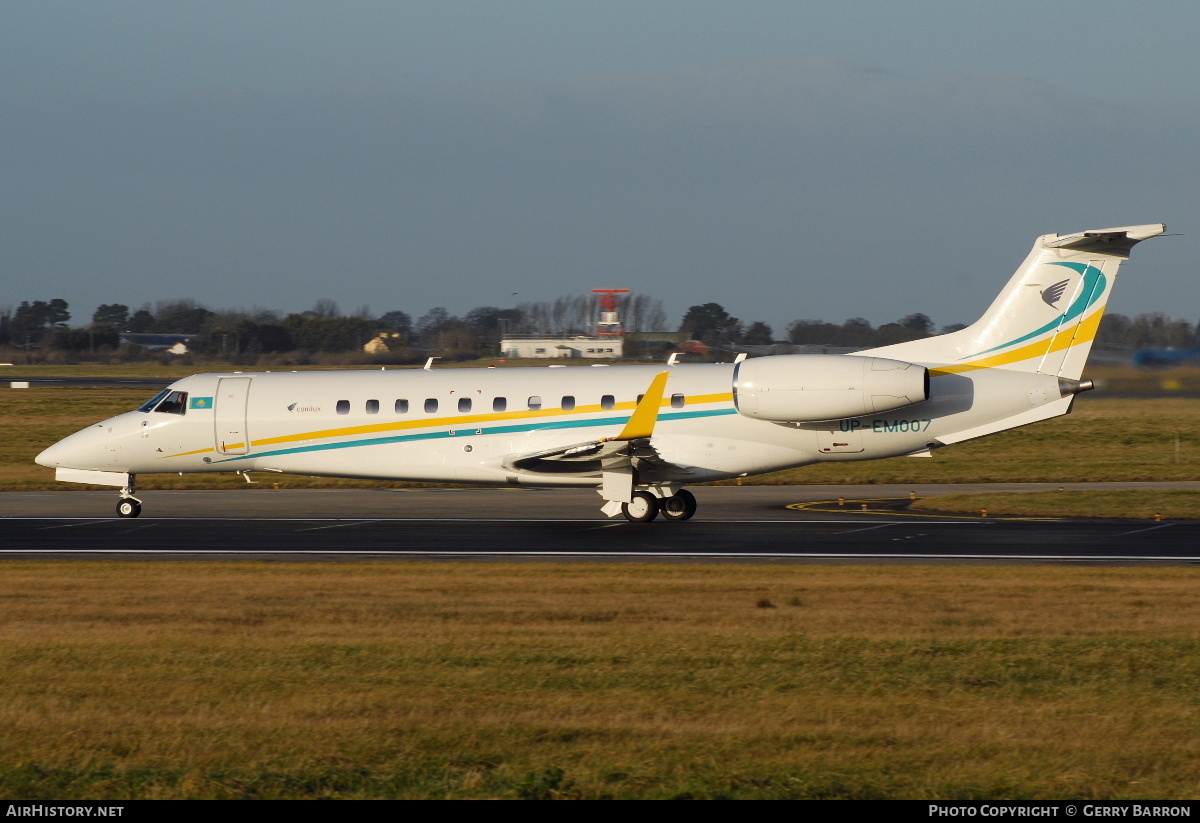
(1152, 528)
(339, 525)
(69, 525)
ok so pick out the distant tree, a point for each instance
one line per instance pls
(919, 324)
(488, 324)
(68, 339)
(397, 322)
(815, 333)
(431, 324)
(758, 334)
(31, 320)
(180, 317)
(711, 324)
(325, 308)
(111, 314)
(890, 333)
(328, 333)
(856, 331)
(263, 337)
(641, 312)
(141, 322)
(1160, 331)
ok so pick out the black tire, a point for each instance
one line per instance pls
(128, 507)
(641, 509)
(679, 507)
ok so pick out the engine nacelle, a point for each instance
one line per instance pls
(801, 388)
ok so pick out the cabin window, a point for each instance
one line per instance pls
(568, 402)
(535, 403)
(539, 351)
(431, 405)
(372, 407)
(677, 401)
(401, 407)
(174, 403)
(607, 402)
(464, 404)
(343, 407)
(499, 403)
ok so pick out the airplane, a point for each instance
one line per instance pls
(637, 434)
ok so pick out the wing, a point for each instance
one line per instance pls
(630, 448)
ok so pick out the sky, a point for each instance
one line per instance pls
(787, 160)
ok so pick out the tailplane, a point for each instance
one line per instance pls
(1047, 316)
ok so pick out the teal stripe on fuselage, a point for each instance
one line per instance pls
(471, 432)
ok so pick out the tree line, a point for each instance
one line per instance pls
(248, 336)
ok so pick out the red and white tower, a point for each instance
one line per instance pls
(609, 324)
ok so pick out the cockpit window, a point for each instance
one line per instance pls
(174, 403)
(153, 401)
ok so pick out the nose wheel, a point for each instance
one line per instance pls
(129, 507)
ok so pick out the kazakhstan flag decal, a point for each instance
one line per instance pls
(201, 403)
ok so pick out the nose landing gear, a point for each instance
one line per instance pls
(128, 505)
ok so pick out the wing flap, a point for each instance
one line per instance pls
(628, 448)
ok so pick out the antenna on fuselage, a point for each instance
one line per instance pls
(673, 359)
(429, 363)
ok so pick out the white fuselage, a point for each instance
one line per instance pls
(468, 425)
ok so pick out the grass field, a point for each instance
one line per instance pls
(1169, 504)
(243, 680)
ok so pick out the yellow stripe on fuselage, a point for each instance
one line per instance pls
(471, 419)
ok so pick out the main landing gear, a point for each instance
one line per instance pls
(128, 505)
(644, 506)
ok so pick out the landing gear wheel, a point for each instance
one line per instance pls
(641, 509)
(681, 506)
(128, 507)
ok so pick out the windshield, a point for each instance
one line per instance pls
(153, 401)
(174, 403)
(166, 402)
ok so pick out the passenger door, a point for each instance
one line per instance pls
(231, 431)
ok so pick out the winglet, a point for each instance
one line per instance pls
(641, 422)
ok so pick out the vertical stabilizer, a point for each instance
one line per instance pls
(1047, 316)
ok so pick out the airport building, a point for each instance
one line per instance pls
(598, 348)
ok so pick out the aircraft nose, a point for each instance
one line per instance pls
(82, 450)
(51, 457)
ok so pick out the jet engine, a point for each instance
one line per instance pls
(801, 388)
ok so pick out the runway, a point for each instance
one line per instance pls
(775, 524)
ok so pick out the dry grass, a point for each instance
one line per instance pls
(462, 680)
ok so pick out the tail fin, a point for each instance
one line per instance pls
(1047, 316)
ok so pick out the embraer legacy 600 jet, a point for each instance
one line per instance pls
(637, 434)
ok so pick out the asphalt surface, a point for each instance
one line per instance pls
(777, 524)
